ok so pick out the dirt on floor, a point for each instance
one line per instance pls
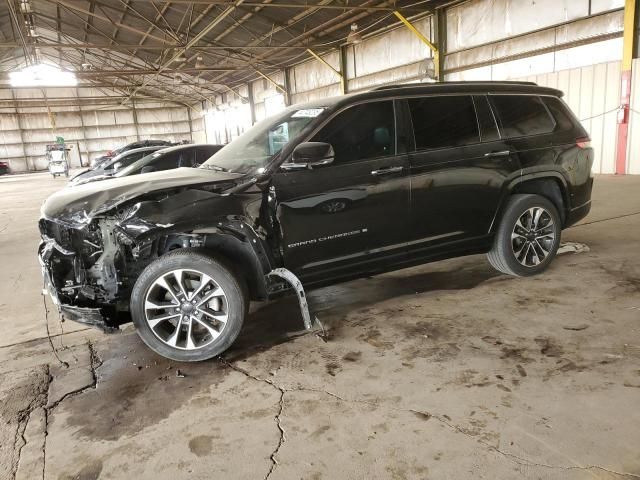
(449, 370)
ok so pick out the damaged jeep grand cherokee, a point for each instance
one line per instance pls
(320, 193)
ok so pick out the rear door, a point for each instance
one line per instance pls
(457, 169)
(349, 214)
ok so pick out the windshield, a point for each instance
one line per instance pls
(138, 164)
(253, 149)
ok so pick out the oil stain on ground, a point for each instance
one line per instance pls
(201, 446)
(128, 378)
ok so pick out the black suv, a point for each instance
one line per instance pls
(320, 193)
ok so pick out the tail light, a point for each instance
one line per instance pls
(583, 142)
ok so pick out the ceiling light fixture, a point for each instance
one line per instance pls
(199, 62)
(42, 75)
(354, 36)
(181, 56)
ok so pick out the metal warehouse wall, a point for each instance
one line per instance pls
(573, 45)
(593, 93)
(26, 130)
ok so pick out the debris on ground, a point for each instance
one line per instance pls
(576, 328)
(572, 247)
(179, 374)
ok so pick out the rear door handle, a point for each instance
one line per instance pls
(386, 171)
(501, 153)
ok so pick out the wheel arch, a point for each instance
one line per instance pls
(234, 242)
(551, 185)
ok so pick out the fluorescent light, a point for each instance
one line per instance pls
(42, 75)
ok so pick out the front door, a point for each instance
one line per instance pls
(352, 213)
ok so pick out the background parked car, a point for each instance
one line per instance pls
(131, 146)
(4, 168)
(113, 165)
(169, 158)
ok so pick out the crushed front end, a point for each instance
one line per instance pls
(83, 271)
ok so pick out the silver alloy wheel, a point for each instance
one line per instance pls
(533, 236)
(186, 309)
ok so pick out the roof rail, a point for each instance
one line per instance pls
(474, 82)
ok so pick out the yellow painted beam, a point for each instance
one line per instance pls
(271, 81)
(337, 72)
(629, 34)
(425, 40)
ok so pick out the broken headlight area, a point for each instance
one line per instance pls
(85, 271)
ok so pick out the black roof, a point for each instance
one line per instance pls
(431, 88)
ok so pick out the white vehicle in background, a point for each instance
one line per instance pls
(58, 160)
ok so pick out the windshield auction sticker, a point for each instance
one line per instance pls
(308, 113)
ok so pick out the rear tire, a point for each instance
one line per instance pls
(187, 306)
(528, 236)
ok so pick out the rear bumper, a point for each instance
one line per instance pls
(48, 252)
(577, 214)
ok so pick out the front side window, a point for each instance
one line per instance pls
(361, 132)
(522, 115)
(444, 121)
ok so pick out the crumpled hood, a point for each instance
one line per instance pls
(76, 206)
(87, 176)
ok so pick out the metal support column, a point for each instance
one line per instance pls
(24, 150)
(135, 120)
(426, 41)
(343, 84)
(287, 86)
(252, 102)
(440, 40)
(190, 123)
(628, 50)
(84, 134)
(343, 68)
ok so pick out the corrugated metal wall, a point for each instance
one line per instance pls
(593, 93)
(25, 133)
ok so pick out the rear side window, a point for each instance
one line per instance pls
(167, 161)
(522, 115)
(559, 112)
(132, 158)
(445, 121)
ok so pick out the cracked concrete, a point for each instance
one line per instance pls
(443, 371)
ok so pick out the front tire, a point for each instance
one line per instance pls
(187, 306)
(528, 236)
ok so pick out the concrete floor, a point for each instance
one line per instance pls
(443, 371)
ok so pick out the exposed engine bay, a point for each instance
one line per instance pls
(91, 257)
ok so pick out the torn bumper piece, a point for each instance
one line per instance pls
(84, 315)
(302, 297)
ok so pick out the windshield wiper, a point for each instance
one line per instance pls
(214, 167)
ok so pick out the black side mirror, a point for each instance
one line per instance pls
(147, 169)
(309, 155)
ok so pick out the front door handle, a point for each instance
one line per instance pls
(386, 171)
(501, 153)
